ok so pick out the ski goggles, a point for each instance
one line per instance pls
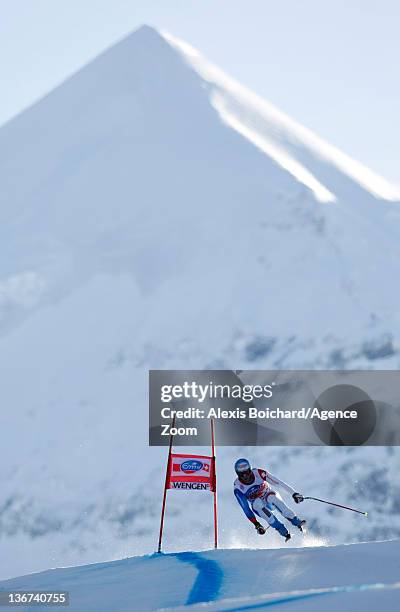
(242, 468)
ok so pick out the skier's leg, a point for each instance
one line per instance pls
(261, 508)
(276, 501)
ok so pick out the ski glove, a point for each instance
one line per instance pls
(297, 498)
(260, 529)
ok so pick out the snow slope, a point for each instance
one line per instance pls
(155, 214)
(359, 576)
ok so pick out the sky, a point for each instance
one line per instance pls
(330, 64)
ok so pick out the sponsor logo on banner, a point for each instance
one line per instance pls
(193, 465)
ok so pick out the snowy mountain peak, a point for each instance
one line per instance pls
(151, 41)
(292, 146)
(150, 145)
(155, 64)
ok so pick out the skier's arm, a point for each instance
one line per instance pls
(243, 502)
(273, 480)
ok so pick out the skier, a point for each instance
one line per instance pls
(251, 489)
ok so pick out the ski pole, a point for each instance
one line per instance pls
(337, 505)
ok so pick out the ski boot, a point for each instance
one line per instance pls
(300, 524)
(281, 528)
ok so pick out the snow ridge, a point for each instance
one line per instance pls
(281, 137)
